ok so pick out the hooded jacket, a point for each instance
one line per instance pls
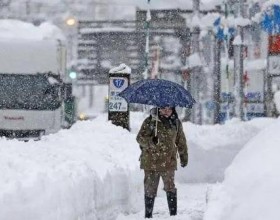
(162, 156)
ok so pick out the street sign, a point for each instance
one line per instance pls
(116, 103)
(274, 44)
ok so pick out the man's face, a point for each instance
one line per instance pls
(166, 112)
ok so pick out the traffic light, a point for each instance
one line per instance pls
(73, 75)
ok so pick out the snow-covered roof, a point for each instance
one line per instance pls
(206, 22)
(106, 29)
(182, 4)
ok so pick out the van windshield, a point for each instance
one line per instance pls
(33, 92)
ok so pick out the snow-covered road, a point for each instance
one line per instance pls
(191, 204)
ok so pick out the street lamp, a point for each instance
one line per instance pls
(71, 21)
(70, 24)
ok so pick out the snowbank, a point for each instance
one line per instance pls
(91, 171)
(251, 187)
(213, 147)
(83, 173)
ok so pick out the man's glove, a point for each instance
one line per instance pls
(155, 140)
(183, 165)
(184, 160)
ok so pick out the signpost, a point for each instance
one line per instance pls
(270, 23)
(273, 71)
(116, 103)
(118, 109)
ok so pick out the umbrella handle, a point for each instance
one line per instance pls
(156, 130)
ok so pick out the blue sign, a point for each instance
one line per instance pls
(220, 32)
(118, 83)
(271, 20)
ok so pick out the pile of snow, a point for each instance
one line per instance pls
(91, 171)
(251, 186)
(15, 29)
(122, 68)
(213, 147)
(82, 173)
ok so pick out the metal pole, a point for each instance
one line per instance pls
(147, 27)
(217, 79)
(241, 61)
(237, 82)
(241, 69)
(91, 95)
(195, 78)
(227, 67)
(147, 47)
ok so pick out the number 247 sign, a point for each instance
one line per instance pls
(117, 103)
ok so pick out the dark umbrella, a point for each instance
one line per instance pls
(158, 92)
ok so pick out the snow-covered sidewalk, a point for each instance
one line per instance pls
(191, 204)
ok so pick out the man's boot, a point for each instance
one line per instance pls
(172, 202)
(149, 205)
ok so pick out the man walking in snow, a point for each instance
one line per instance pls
(161, 136)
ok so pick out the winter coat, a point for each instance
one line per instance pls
(162, 156)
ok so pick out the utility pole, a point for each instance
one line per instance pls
(217, 79)
(195, 76)
(226, 43)
(147, 27)
(239, 67)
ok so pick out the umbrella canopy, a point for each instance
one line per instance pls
(158, 92)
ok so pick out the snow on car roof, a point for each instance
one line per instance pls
(16, 29)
